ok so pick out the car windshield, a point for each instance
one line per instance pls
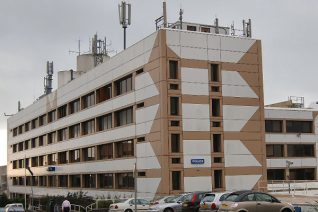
(120, 200)
(231, 197)
(209, 198)
(172, 199)
(223, 197)
(188, 197)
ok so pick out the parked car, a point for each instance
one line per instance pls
(212, 201)
(172, 205)
(18, 207)
(162, 200)
(192, 201)
(128, 205)
(250, 201)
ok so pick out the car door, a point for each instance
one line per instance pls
(247, 202)
(265, 203)
(142, 204)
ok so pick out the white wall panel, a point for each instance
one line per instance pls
(196, 125)
(147, 187)
(143, 80)
(195, 75)
(173, 37)
(231, 57)
(197, 111)
(286, 113)
(194, 53)
(146, 158)
(236, 44)
(241, 182)
(214, 55)
(297, 162)
(237, 155)
(203, 183)
(214, 41)
(194, 39)
(290, 138)
(194, 89)
(196, 149)
(146, 93)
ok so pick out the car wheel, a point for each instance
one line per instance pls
(286, 210)
(128, 210)
(168, 210)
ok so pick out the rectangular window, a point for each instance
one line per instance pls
(51, 116)
(215, 88)
(105, 180)
(75, 181)
(104, 122)
(205, 29)
(42, 160)
(275, 174)
(125, 181)
(74, 106)
(274, 150)
(89, 154)
(74, 131)
(34, 162)
(51, 138)
(175, 160)
(215, 73)
(89, 180)
(173, 69)
(42, 140)
(15, 132)
(88, 127)
(62, 134)
(62, 111)
(20, 146)
(176, 180)
(124, 117)
(218, 179)
(217, 143)
(27, 126)
(175, 143)
(21, 163)
(52, 159)
(173, 86)
(216, 109)
(299, 126)
(302, 174)
(14, 148)
(123, 85)
(62, 156)
(191, 28)
(174, 123)
(42, 181)
(124, 148)
(20, 129)
(104, 93)
(42, 120)
(301, 150)
(75, 156)
(88, 100)
(51, 181)
(34, 123)
(105, 151)
(174, 106)
(275, 126)
(26, 144)
(63, 181)
(34, 142)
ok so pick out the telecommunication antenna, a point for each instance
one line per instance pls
(124, 9)
(247, 28)
(79, 49)
(49, 78)
(216, 24)
(180, 17)
(98, 49)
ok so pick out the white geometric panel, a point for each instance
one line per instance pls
(147, 187)
(234, 85)
(145, 87)
(241, 182)
(194, 81)
(144, 119)
(236, 44)
(196, 125)
(237, 155)
(197, 149)
(194, 88)
(236, 116)
(200, 183)
(195, 117)
(146, 158)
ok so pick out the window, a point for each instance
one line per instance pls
(104, 93)
(217, 159)
(173, 86)
(174, 106)
(191, 28)
(274, 150)
(52, 159)
(175, 143)
(26, 144)
(88, 127)
(34, 161)
(88, 100)
(173, 69)
(51, 138)
(124, 117)
(176, 180)
(21, 163)
(20, 146)
(27, 126)
(123, 85)
(51, 181)
(105, 180)
(42, 181)
(124, 148)
(216, 111)
(301, 150)
(62, 156)
(62, 111)
(15, 164)
(42, 160)
(174, 123)
(21, 129)
(89, 180)
(215, 73)
(104, 122)
(217, 140)
(42, 140)
(74, 106)
(14, 148)
(218, 179)
(302, 174)
(140, 105)
(205, 29)
(34, 142)
(215, 88)
(75, 181)
(89, 154)
(125, 181)
(275, 126)
(62, 134)
(74, 131)
(105, 151)
(141, 139)
(34, 123)
(216, 124)
(75, 156)
(139, 71)
(275, 174)
(51, 116)
(63, 181)
(15, 132)
(299, 126)
(141, 174)
(42, 120)
(175, 160)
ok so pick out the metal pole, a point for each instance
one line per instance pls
(135, 179)
(124, 37)
(25, 194)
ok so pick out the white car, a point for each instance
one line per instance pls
(14, 207)
(173, 205)
(128, 205)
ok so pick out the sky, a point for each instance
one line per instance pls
(35, 31)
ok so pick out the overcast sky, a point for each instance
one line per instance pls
(35, 31)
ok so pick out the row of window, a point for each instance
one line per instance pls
(102, 94)
(114, 150)
(288, 126)
(294, 174)
(290, 150)
(98, 124)
(100, 181)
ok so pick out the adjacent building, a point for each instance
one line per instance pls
(3, 179)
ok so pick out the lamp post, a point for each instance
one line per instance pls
(28, 168)
(135, 182)
(288, 164)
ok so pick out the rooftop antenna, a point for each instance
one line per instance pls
(79, 48)
(180, 17)
(98, 49)
(124, 20)
(247, 28)
(216, 23)
(232, 29)
(164, 13)
(49, 78)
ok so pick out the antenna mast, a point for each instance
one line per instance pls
(124, 20)
(49, 78)
(98, 50)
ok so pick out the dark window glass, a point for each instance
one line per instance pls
(62, 134)
(173, 86)
(175, 160)
(125, 181)
(274, 150)
(218, 178)
(105, 180)
(191, 28)
(62, 111)
(105, 151)
(217, 140)
(216, 111)
(75, 180)
(123, 85)
(124, 148)
(88, 100)
(104, 93)
(174, 106)
(274, 126)
(215, 89)
(275, 174)
(62, 156)
(173, 69)
(74, 106)
(299, 126)
(104, 122)
(215, 73)
(52, 181)
(89, 154)
(51, 116)
(52, 159)
(75, 156)
(89, 180)
(74, 131)
(88, 127)
(302, 174)
(63, 180)
(175, 143)
(174, 123)
(42, 120)
(300, 150)
(176, 180)
(124, 117)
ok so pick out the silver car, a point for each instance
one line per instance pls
(172, 205)
(212, 201)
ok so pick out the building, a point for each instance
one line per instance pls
(3, 179)
(184, 108)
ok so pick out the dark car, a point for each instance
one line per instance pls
(192, 201)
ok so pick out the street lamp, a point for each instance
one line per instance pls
(28, 168)
(288, 164)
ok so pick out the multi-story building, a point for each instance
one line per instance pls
(3, 179)
(184, 108)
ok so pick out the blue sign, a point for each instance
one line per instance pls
(51, 168)
(197, 161)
